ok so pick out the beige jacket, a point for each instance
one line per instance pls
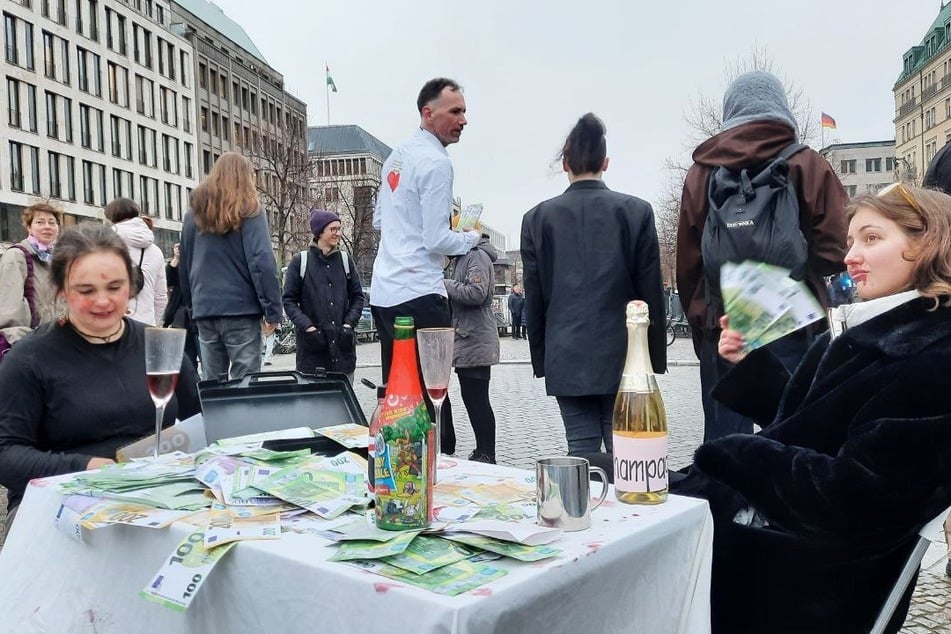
(14, 310)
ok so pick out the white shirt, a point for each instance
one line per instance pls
(413, 211)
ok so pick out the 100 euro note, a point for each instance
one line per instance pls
(177, 582)
(764, 303)
(450, 580)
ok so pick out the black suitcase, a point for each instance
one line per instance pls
(270, 401)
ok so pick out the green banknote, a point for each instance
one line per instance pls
(177, 582)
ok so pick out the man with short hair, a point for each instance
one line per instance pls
(516, 304)
(413, 212)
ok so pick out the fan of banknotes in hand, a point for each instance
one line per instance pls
(764, 303)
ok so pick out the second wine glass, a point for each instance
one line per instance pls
(435, 358)
(163, 360)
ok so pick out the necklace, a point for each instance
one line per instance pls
(103, 339)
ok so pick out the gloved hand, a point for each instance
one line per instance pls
(348, 339)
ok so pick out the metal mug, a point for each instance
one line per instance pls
(564, 492)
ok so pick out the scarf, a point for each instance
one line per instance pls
(43, 251)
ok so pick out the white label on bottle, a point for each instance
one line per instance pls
(640, 463)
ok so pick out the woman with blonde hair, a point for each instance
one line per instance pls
(27, 296)
(815, 515)
(148, 304)
(227, 272)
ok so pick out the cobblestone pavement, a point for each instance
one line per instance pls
(529, 426)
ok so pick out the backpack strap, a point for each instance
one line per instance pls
(141, 257)
(29, 285)
(790, 150)
(344, 257)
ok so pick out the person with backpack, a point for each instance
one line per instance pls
(324, 298)
(149, 289)
(27, 295)
(754, 193)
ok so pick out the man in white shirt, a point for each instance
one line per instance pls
(413, 212)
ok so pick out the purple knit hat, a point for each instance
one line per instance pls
(319, 219)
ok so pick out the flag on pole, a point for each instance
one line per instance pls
(333, 86)
(827, 121)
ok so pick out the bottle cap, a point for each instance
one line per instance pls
(638, 312)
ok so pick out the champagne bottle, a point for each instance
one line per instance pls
(403, 484)
(640, 422)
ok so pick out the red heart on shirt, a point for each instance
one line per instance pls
(393, 180)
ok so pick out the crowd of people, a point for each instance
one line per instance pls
(814, 514)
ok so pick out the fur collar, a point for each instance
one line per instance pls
(904, 330)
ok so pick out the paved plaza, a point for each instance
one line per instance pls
(529, 426)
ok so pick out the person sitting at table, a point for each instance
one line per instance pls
(815, 515)
(76, 391)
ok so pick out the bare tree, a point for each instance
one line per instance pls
(283, 170)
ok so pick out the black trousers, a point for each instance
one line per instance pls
(474, 385)
(428, 311)
(518, 331)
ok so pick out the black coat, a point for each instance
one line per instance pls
(585, 255)
(856, 461)
(327, 299)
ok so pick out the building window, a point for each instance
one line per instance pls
(16, 166)
(10, 38)
(889, 163)
(56, 188)
(52, 127)
(13, 103)
(847, 167)
(873, 165)
(31, 105)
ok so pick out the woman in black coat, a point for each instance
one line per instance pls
(815, 515)
(585, 255)
(325, 302)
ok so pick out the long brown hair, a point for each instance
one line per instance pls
(227, 195)
(925, 217)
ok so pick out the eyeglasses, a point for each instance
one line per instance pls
(336, 230)
(40, 222)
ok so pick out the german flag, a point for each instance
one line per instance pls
(827, 121)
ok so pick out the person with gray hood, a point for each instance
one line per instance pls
(477, 340)
(148, 306)
(757, 126)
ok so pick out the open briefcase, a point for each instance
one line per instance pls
(270, 401)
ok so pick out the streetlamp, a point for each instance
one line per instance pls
(905, 171)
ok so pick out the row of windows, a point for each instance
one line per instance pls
(60, 181)
(848, 166)
(342, 167)
(215, 80)
(853, 190)
(92, 132)
(18, 46)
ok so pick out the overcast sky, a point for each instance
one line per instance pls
(530, 69)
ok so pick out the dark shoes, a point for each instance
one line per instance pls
(481, 457)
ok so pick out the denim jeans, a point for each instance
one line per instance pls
(229, 341)
(587, 422)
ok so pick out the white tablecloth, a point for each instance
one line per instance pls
(639, 568)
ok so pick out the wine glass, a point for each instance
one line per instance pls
(435, 357)
(163, 359)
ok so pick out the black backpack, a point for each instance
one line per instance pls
(138, 276)
(752, 215)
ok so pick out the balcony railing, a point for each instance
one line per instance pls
(908, 107)
(929, 91)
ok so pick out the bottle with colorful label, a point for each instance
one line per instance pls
(403, 486)
(640, 422)
(374, 429)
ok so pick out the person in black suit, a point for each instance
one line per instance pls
(586, 254)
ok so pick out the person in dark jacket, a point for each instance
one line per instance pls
(815, 515)
(516, 306)
(757, 125)
(228, 276)
(325, 303)
(476, 347)
(176, 315)
(586, 254)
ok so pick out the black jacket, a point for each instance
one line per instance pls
(585, 255)
(856, 460)
(327, 299)
(516, 304)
